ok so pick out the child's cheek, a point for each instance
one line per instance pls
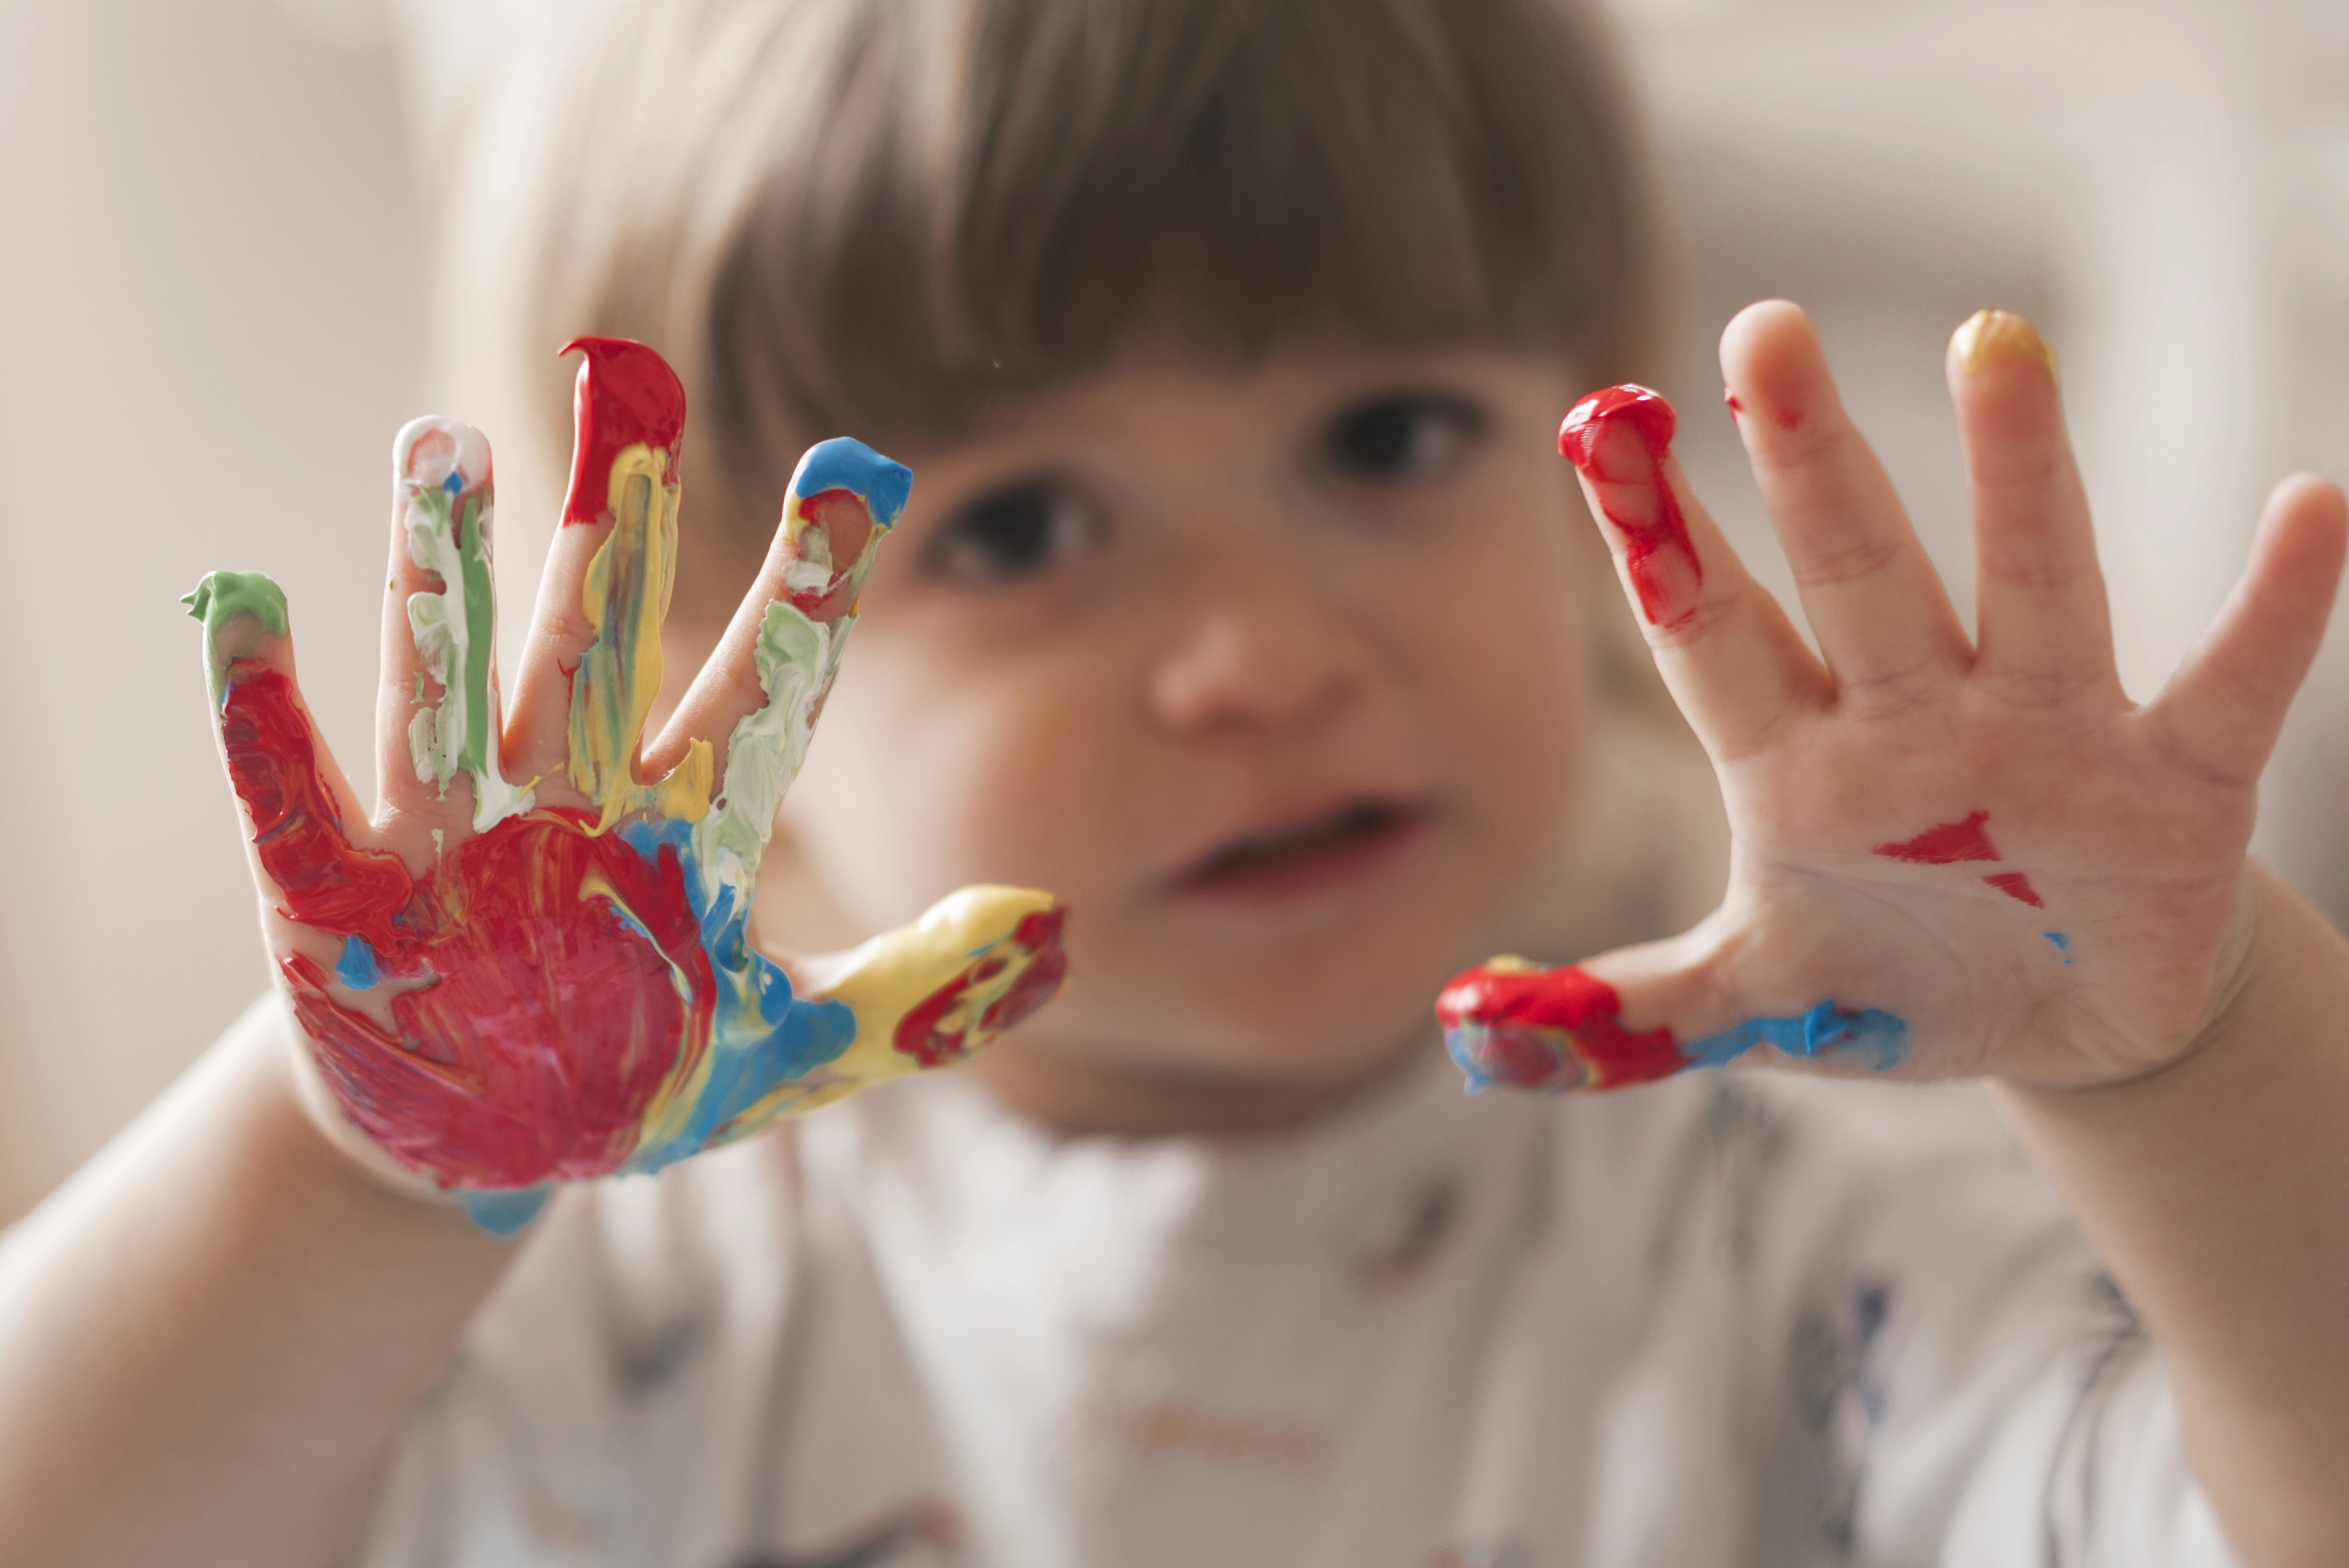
(924, 777)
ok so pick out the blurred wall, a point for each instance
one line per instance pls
(210, 313)
(212, 316)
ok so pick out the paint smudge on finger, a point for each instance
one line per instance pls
(1513, 1023)
(442, 470)
(1619, 441)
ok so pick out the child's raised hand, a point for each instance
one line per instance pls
(1950, 857)
(533, 965)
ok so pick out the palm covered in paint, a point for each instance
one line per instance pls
(534, 964)
(1951, 856)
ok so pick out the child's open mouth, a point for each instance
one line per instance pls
(1311, 856)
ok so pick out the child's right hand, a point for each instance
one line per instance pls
(533, 965)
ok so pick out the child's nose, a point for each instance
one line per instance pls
(1260, 658)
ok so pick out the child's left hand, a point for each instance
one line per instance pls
(1951, 857)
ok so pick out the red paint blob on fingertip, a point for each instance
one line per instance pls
(1527, 1015)
(1730, 397)
(1657, 555)
(625, 394)
(1950, 843)
(2015, 885)
(1790, 418)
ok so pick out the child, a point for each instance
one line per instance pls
(1237, 603)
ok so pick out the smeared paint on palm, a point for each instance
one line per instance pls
(560, 984)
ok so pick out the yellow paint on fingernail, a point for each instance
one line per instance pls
(1989, 336)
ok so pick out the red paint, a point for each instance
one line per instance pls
(1554, 1028)
(1956, 843)
(1037, 936)
(625, 394)
(1950, 843)
(1730, 397)
(846, 525)
(2015, 885)
(1635, 494)
(1790, 418)
(298, 825)
(550, 1022)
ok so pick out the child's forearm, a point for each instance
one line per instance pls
(209, 1340)
(2218, 1191)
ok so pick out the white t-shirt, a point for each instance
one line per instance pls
(1723, 1320)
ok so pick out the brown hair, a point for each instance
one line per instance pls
(871, 217)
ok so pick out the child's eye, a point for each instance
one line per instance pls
(1400, 436)
(1014, 531)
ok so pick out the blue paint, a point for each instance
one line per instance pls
(844, 463)
(357, 967)
(761, 1034)
(1827, 1033)
(2059, 938)
(454, 482)
(503, 1213)
(1473, 1079)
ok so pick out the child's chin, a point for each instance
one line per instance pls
(1309, 1034)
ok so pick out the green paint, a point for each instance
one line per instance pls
(797, 659)
(477, 756)
(454, 639)
(223, 596)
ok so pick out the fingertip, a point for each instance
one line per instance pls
(2303, 535)
(1772, 367)
(244, 618)
(1758, 328)
(2318, 501)
(1990, 337)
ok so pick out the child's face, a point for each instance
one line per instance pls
(1274, 676)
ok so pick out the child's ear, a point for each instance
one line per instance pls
(795, 911)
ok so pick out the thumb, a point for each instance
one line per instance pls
(1514, 1023)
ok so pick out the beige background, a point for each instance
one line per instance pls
(212, 318)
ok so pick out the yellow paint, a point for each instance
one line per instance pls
(1990, 336)
(672, 1104)
(895, 973)
(625, 599)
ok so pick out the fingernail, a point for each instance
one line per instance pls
(1989, 336)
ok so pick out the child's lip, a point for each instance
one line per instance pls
(1307, 852)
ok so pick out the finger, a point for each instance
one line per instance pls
(2225, 705)
(310, 851)
(1638, 1015)
(437, 719)
(592, 665)
(1870, 593)
(2041, 616)
(1733, 662)
(756, 701)
(929, 994)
